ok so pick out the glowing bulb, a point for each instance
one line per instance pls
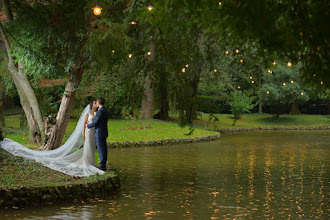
(321, 82)
(292, 81)
(150, 7)
(215, 70)
(314, 74)
(269, 71)
(302, 93)
(133, 23)
(252, 82)
(274, 63)
(149, 53)
(226, 52)
(97, 10)
(187, 65)
(183, 70)
(241, 60)
(289, 64)
(238, 87)
(220, 3)
(283, 84)
(267, 92)
(113, 51)
(237, 50)
(130, 55)
(250, 77)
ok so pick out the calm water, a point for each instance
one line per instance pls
(259, 175)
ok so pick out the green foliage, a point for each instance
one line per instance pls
(240, 102)
(281, 88)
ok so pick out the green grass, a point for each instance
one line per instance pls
(119, 130)
(15, 169)
(262, 120)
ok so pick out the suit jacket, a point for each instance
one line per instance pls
(100, 123)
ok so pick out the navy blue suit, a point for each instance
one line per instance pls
(101, 132)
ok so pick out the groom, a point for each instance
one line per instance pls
(101, 132)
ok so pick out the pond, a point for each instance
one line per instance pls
(257, 175)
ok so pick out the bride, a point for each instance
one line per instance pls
(69, 158)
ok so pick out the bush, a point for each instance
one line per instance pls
(208, 104)
(240, 103)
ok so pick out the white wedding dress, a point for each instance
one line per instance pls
(70, 158)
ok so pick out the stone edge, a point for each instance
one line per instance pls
(22, 196)
(163, 141)
(231, 130)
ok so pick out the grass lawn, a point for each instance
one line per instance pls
(15, 169)
(261, 120)
(119, 130)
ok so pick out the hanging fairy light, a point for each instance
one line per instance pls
(267, 92)
(302, 93)
(183, 70)
(238, 87)
(241, 60)
(227, 52)
(252, 82)
(113, 51)
(215, 70)
(97, 9)
(284, 84)
(133, 23)
(187, 65)
(292, 81)
(130, 55)
(289, 64)
(321, 82)
(314, 74)
(250, 77)
(150, 7)
(220, 3)
(269, 71)
(149, 53)
(274, 63)
(237, 51)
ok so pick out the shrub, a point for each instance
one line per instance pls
(240, 103)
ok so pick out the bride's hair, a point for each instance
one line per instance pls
(91, 104)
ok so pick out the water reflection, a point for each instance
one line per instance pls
(260, 175)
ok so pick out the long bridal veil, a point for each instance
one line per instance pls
(65, 159)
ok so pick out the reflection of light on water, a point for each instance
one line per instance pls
(268, 180)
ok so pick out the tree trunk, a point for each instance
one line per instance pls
(148, 93)
(295, 109)
(164, 101)
(2, 98)
(63, 115)
(26, 93)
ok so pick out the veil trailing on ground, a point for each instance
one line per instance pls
(65, 159)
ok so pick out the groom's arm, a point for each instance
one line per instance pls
(96, 121)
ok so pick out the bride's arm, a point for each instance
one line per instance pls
(85, 125)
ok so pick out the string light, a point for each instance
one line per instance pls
(241, 60)
(238, 87)
(113, 51)
(302, 93)
(252, 82)
(284, 84)
(321, 82)
(130, 55)
(97, 9)
(314, 74)
(267, 92)
(220, 3)
(250, 77)
(183, 70)
(289, 64)
(269, 71)
(237, 50)
(187, 65)
(150, 7)
(274, 63)
(133, 23)
(226, 52)
(149, 53)
(215, 70)
(292, 81)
